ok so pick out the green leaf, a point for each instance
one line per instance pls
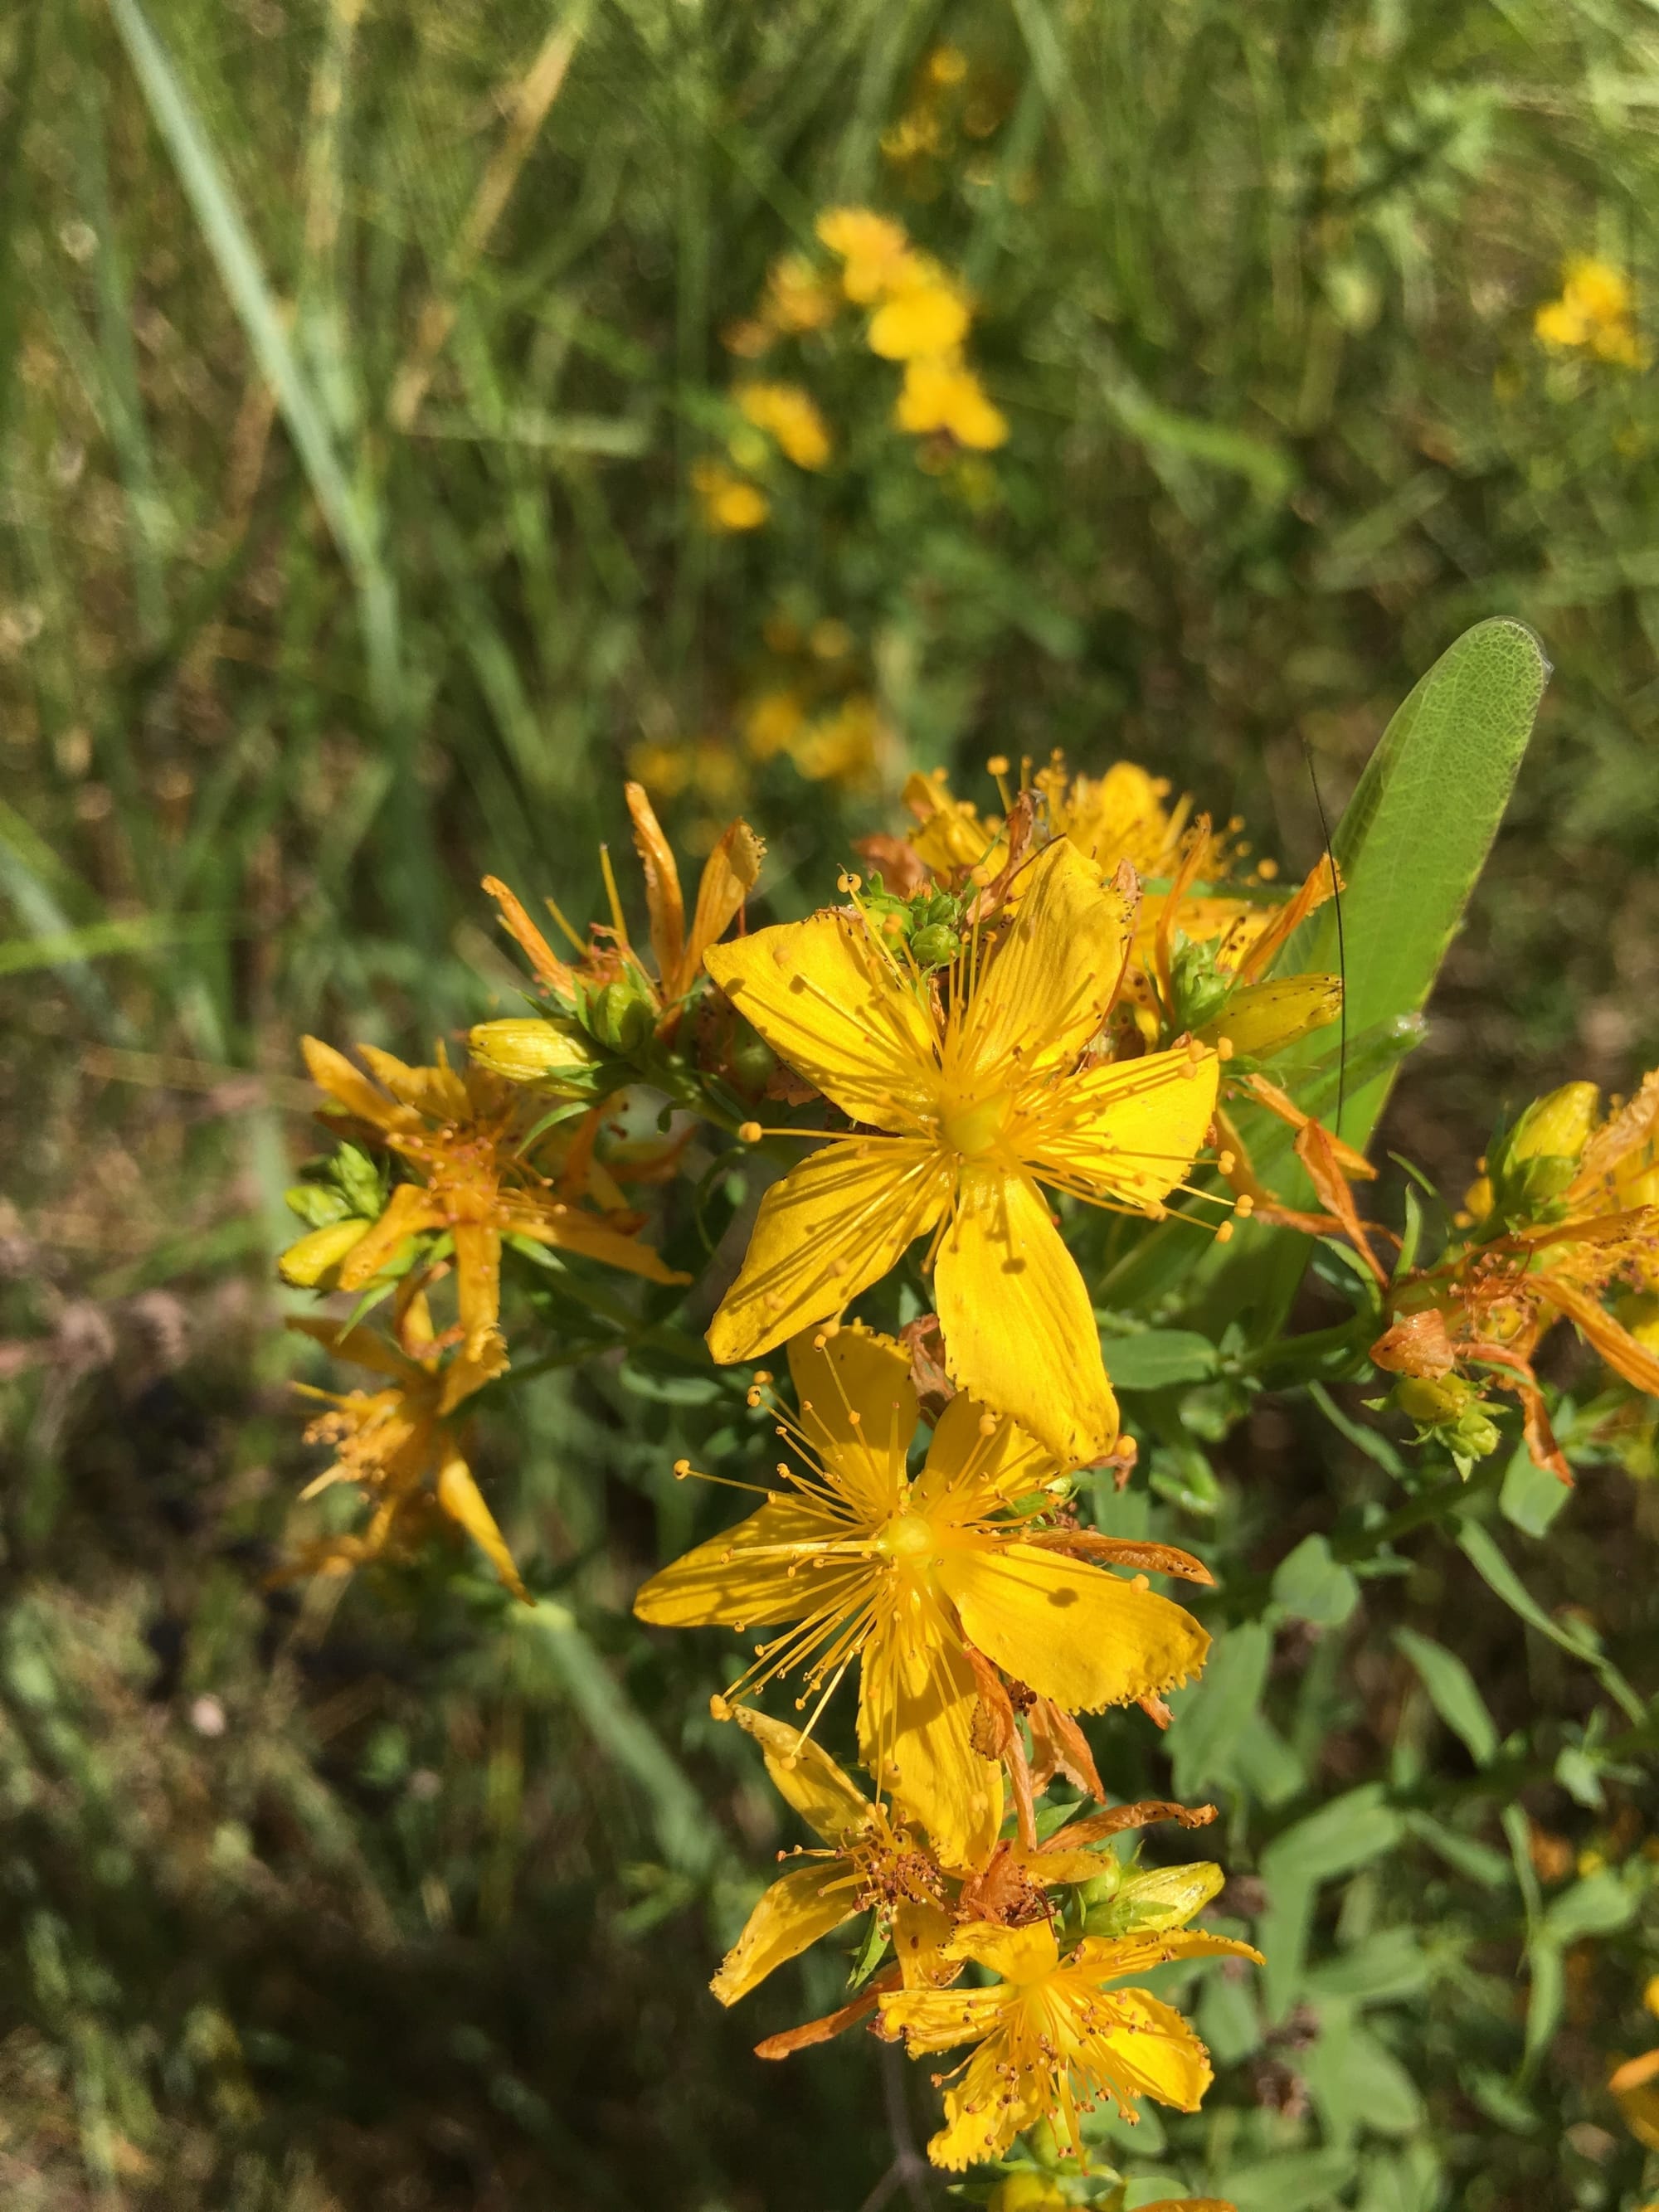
(1314, 1586)
(1531, 1496)
(1296, 2181)
(1483, 1554)
(1595, 1906)
(1415, 835)
(1387, 1967)
(1158, 1358)
(1452, 1693)
(1211, 1715)
(1346, 1833)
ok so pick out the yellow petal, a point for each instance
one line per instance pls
(857, 1371)
(1072, 1632)
(331, 1071)
(1016, 1955)
(829, 1229)
(569, 1231)
(410, 1211)
(1019, 1331)
(829, 1801)
(437, 1091)
(461, 1499)
(916, 1701)
(1149, 2049)
(1101, 1959)
(549, 968)
(306, 1263)
(1052, 980)
(935, 2020)
(478, 1282)
(729, 874)
(744, 1576)
(809, 1902)
(663, 898)
(837, 1009)
(997, 2096)
(922, 1937)
(1129, 1131)
(360, 1345)
(1005, 1465)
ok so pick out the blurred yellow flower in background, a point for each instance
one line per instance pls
(791, 417)
(873, 249)
(923, 313)
(942, 393)
(730, 502)
(1594, 315)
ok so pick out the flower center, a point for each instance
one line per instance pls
(909, 1540)
(974, 1127)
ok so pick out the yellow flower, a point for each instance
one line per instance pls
(906, 1576)
(459, 1134)
(841, 747)
(874, 251)
(798, 298)
(1635, 2087)
(1593, 313)
(923, 313)
(399, 1445)
(790, 415)
(872, 1862)
(730, 502)
(1053, 2038)
(770, 722)
(966, 1109)
(610, 960)
(940, 393)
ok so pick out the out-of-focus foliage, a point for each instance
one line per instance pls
(355, 365)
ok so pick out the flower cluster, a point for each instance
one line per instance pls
(910, 310)
(1595, 314)
(1075, 1022)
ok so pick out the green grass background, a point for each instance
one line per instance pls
(418, 1914)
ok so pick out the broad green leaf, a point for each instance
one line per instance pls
(1452, 1692)
(1387, 1966)
(1411, 845)
(1297, 2181)
(1314, 1586)
(1415, 835)
(1531, 1496)
(1595, 1906)
(1483, 1554)
(1158, 1358)
(1346, 1833)
(1210, 1717)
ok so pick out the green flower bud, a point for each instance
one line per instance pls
(935, 945)
(751, 1059)
(1201, 989)
(1433, 1400)
(622, 1015)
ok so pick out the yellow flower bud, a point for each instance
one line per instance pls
(306, 1263)
(1026, 2192)
(525, 1049)
(1477, 1199)
(1264, 1018)
(1557, 1127)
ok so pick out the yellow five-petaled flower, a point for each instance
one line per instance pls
(1053, 2037)
(904, 1577)
(965, 1107)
